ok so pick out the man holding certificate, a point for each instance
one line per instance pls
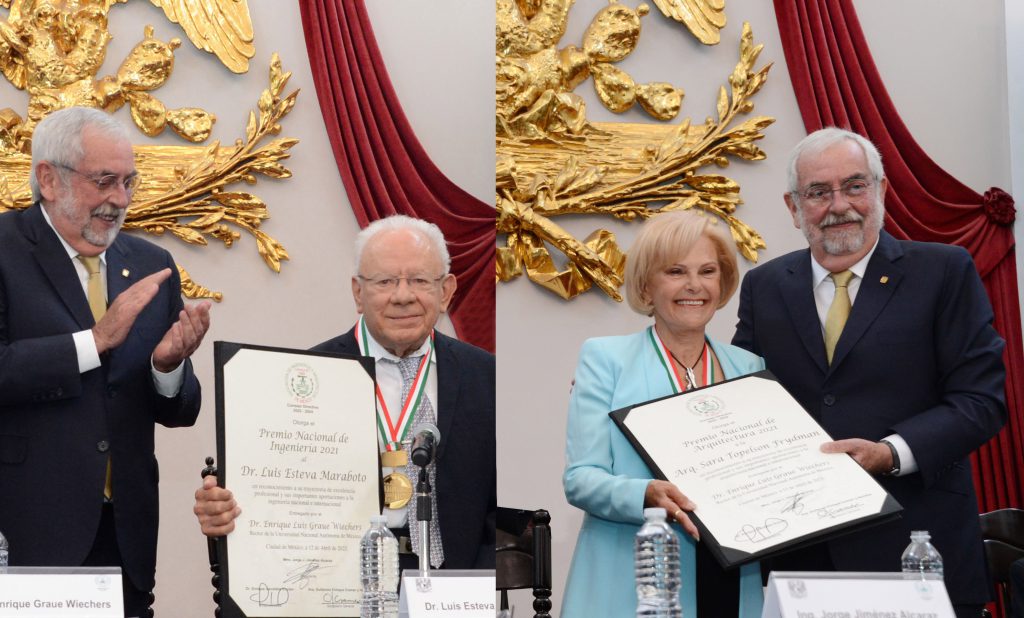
(889, 345)
(402, 286)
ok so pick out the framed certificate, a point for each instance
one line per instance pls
(296, 445)
(748, 455)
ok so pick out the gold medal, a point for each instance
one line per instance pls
(397, 490)
(394, 459)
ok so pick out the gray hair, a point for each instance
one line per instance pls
(822, 139)
(58, 138)
(426, 229)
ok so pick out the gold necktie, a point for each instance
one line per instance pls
(97, 295)
(97, 291)
(838, 312)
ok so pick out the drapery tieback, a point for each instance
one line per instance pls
(998, 205)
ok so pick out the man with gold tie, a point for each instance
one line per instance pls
(401, 287)
(94, 350)
(889, 345)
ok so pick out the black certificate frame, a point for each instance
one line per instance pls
(729, 557)
(224, 351)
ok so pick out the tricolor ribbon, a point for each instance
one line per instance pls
(672, 373)
(392, 433)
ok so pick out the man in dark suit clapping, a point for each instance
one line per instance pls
(94, 348)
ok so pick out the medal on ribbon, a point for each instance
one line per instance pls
(674, 378)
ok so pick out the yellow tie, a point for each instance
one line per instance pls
(838, 312)
(97, 294)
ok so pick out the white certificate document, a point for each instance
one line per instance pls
(297, 446)
(748, 455)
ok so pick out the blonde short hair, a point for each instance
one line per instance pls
(668, 236)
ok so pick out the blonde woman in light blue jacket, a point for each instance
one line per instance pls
(681, 269)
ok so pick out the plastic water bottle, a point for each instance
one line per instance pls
(4, 547)
(657, 568)
(921, 557)
(378, 565)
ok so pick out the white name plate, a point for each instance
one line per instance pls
(855, 595)
(448, 594)
(58, 592)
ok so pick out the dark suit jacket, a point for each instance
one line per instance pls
(465, 482)
(57, 425)
(918, 357)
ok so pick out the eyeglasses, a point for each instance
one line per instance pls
(106, 182)
(822, 195)
(418, 283)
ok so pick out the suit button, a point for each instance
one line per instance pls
(58, 392)
(103, 446)
(111, 391)
(829, 399)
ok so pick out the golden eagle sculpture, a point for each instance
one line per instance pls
(552, 161)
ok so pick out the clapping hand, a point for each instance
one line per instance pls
(183, 337)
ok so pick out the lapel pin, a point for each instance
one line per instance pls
(124, 272)
(884, 279)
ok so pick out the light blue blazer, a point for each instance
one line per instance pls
(607, 479)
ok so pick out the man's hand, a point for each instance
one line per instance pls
(667, 496)
(182, 338)
(215, 508)
(113, 327)
(874, 457)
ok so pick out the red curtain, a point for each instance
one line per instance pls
(836, 84)
(383, 166)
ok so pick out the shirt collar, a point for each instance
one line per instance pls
(378, 352)
(72, 254)
(819, 273)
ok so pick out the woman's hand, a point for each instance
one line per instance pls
(667, 496)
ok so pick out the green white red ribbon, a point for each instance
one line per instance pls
(672, 373)
(391, 432)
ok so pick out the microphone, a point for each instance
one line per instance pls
(424, 444)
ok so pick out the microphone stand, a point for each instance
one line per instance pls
(423, 516)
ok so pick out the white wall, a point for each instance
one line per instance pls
(1015, 100)
(944, 64)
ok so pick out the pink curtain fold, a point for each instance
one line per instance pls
(837, 84)
(384, 168)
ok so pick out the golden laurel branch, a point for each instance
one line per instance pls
(196, 187)
(628, 171)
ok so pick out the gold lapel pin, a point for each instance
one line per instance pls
(884, 279)
(124, 272)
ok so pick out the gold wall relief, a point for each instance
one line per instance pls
(53, 50)
(552, 161)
